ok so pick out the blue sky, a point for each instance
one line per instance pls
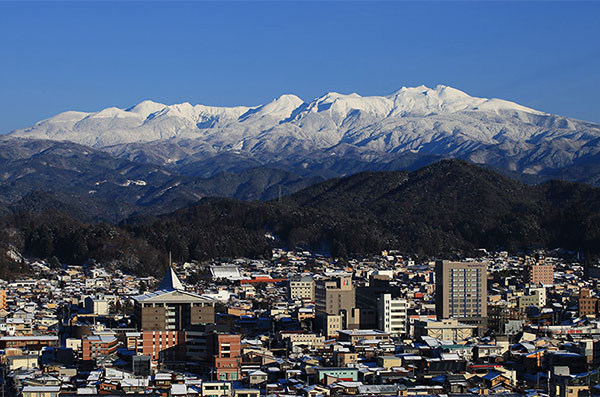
(88, 56)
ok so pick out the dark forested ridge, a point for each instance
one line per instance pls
(450, 207)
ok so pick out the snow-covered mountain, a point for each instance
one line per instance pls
(421, 121)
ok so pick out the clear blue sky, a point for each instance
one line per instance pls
(88, 56)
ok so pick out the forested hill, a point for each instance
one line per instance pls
(450, 207)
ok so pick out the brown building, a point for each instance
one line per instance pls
(588, 305)
(95, 346)
(541, 274)
(225, 350)
(164, 346)
(171, 308)
(461, 291)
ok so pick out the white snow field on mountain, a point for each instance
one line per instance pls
(431, 121)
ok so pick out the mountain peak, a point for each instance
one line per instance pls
(146, 108)
(279, 108)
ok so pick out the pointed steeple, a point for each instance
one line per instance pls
(170, 281)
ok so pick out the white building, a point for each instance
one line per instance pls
(392, 315)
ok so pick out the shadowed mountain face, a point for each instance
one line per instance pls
(90, 184)
(337, 135)
(448, 208)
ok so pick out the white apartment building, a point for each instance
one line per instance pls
(392, 315)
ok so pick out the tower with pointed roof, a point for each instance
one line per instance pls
(171, 307)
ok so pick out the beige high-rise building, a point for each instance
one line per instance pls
(334, 295)
(336, 298)
(461, 291)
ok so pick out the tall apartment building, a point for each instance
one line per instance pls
(226, 353)
(368, 300)
(171, 308)
(461, 291)
(540, 274)
(392, 315)
(302, 288)
(334, 295)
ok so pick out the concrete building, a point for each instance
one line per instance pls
(98, 346)
(461, 291)
(32, 342)
(368, 297)
(302, 288)
(448, 329)
(535, 297)
(337, 297)
(330, 324)
(334, 295)
(392, 315)
(540, 274)
(225, 350)
(588, 305)
(355, 336)
(163, 346)
(97, 305)
(295, 338)
(171, 308)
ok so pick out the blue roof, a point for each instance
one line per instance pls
(440, 378)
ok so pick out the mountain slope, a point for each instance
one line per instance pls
(438, 122)
(450, 207)
(445, 208)
(94, 185)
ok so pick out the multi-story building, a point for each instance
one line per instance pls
(302, 288)
(297, 338)
(163, 346)
(225, 350)
(588, 305)
(461, 291)
(98, 346)
(337, 297)
(392, 315)
(334, 295)
(355, 336)
(171, 308)
(540, 274)
(330, 324)
(535, 297)
(31, 342)
(368, 298)
(448, 329)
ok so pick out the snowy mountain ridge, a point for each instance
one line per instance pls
(441, 121)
